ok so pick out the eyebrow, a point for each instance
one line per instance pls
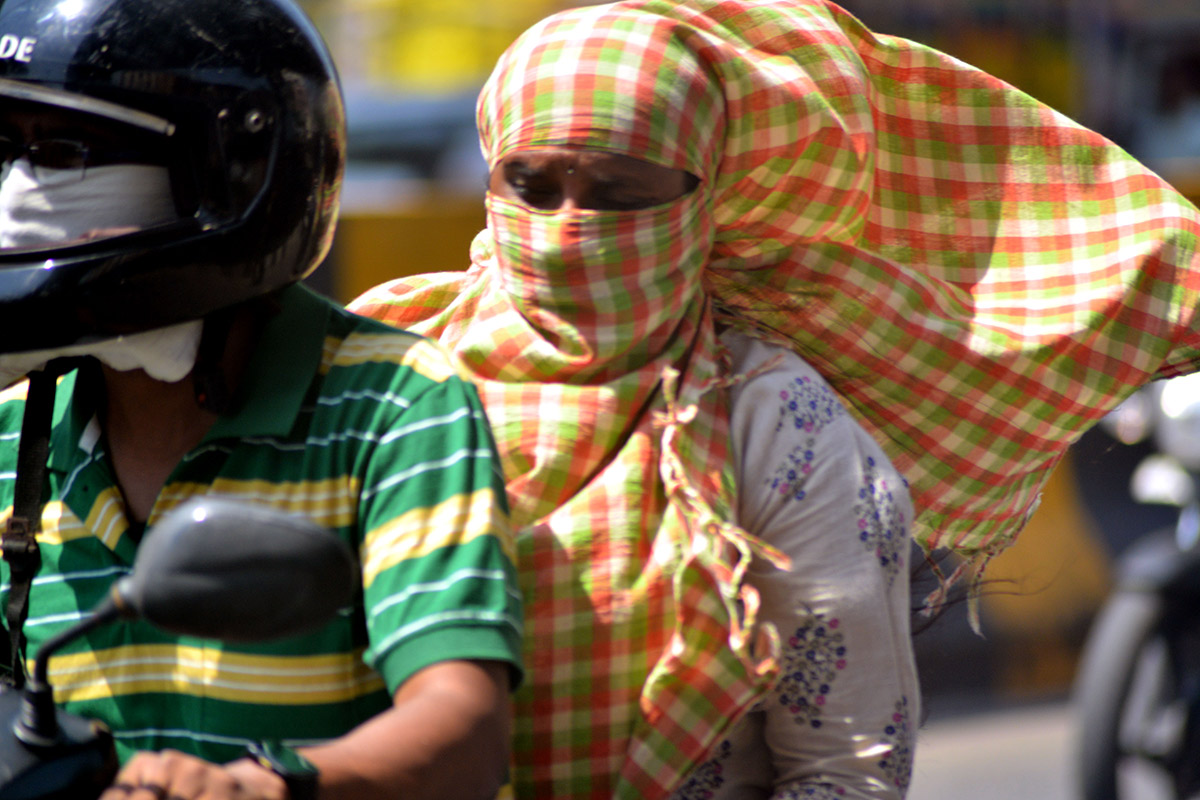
(520, 168)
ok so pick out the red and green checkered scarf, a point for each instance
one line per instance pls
(979, 277)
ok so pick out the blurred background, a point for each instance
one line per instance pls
(1128, 68)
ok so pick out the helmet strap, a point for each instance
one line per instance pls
(219, 367)
(208, 376)
(18, 541)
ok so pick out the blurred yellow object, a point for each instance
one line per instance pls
(1184, 175)
(423, 46)
(372, 247)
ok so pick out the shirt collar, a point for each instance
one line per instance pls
(273, 388)
(280, 370)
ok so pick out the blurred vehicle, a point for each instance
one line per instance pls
(1137, 695)
(1137, 691)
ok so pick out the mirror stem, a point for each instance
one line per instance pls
(37, 725)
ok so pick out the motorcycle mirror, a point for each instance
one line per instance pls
(210, 568)
(219, 569)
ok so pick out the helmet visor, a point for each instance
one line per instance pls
(20, 90)
(75, 169)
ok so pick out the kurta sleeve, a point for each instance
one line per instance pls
(841, 720)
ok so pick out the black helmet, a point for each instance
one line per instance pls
(247, 100)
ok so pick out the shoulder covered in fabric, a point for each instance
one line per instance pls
(372, 339)
(412, 300)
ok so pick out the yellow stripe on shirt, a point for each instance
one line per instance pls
(424, 530)
(210, 672)
(331, 502)
(421, 355)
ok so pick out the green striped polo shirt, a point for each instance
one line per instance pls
(367, 430)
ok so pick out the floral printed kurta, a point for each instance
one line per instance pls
(840, 722)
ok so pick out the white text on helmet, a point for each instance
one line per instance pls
(18, 49)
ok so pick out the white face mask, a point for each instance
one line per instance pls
(166, 354)
(108, 200)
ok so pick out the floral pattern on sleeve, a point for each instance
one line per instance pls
(881, 524)
(809, 791)
(707, 778)
(812, 658)
(897, 758)
(807, 406)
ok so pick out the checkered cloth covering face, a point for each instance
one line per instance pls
(979, 277)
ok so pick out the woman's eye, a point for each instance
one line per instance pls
(535, 194)
(629, 204)
(621, 201)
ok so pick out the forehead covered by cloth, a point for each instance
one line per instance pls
(619, 78)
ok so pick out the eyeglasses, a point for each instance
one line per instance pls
(67, 158)
(61, 160)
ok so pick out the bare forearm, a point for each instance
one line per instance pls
(446, 736)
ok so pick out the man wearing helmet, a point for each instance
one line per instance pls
(170, 172)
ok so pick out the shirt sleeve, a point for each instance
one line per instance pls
(811, 482)
(437, 554)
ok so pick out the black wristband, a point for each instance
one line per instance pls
(297, 772)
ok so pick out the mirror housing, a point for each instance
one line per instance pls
(221, 569)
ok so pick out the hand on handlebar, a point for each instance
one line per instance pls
(171, 775)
